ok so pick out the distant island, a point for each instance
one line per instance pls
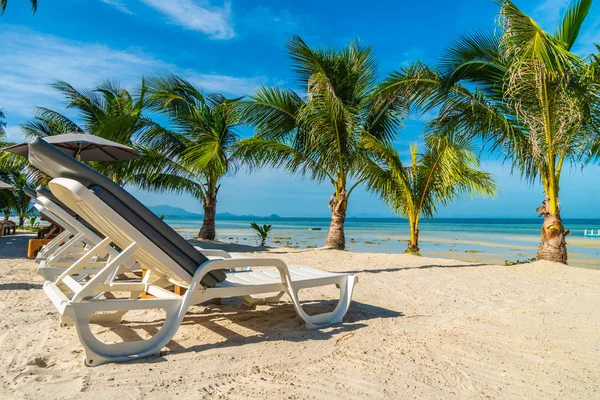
(177, 212)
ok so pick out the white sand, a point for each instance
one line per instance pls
(419, 327)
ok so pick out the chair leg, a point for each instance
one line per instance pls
(97, 352)
(346, 286)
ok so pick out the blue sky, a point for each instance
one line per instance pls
(234, 46)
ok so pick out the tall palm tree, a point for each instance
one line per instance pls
(523, 92)
(34, 5)
(448, 169)
(318, 134)
(202, 147)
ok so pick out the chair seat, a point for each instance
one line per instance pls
(301, 277)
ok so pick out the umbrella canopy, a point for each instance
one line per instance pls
(5, 186)
(84, 147)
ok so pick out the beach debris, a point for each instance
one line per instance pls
(345, 336)
(526, 261)
(38, 362)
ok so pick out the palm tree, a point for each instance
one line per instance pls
(112, 112)
(12, 172)
(319, 135)
(34, 5)
(201, 148)
(448, 169)
(521, 91)
(107, 110)
(20, 201)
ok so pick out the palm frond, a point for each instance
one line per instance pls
(572, 21)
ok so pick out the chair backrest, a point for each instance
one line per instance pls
(58, 164)
(29, 192)
(45, 192)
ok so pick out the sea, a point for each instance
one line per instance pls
(498, 240)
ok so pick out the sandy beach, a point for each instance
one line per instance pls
(418, 328)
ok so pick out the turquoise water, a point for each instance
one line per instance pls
(470, 239)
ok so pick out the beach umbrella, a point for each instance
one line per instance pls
(5, 186)
(84, 147)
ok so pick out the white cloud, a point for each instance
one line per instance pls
(197, 15)
(549, 13)
(31, 61)
(13, 134)
(118, 5)
(278, 22)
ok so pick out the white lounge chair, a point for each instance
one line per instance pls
(76, 239)
(169, 259)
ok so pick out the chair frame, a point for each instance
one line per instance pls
(81, 303)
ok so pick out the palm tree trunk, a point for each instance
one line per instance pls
(208, 231)
(553, 246)
(21, 221)
(413, 243)
(336, 238)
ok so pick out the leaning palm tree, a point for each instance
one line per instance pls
(448, 169)
(318, 134)
(34, 5)
(201, 147)
(523, 92)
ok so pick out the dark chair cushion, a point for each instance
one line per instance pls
(56, 163)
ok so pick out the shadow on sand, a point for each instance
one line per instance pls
(15, 246)
(229, 247)
(377, 271)
(278, 323)
(20, 286)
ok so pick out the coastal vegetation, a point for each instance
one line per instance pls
(447, 169)
(201, 146)
(261, 231)
(317, 134)
(523, 92)
(110, 111)
(518, 90)
(12, 172)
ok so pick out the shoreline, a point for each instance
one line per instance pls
(417, 327)
(583, 253)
